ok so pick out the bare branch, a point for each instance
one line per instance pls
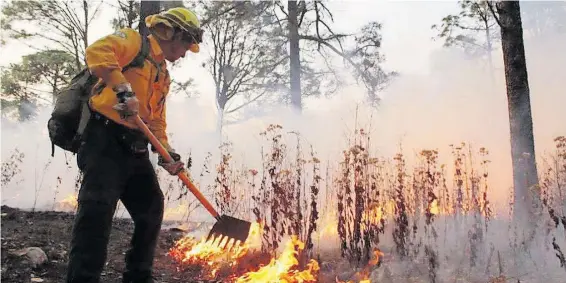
(303, 9)
(95, 13)
(495, 15)
(317, 21)
(321, 41)
(280, 5)
(366, 77)
(246, 103)
(213, 17)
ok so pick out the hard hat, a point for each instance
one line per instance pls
(181, 18)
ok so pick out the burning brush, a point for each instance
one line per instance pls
(282, 268)
(213, 253)
(237, 260)
(363, 275)
(68, 204)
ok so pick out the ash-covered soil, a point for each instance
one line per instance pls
(51, 232)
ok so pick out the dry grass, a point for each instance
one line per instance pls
(416, 213)
(286, 202)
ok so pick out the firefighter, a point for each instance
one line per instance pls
(114, 155)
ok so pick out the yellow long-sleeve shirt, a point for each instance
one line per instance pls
(107, 56)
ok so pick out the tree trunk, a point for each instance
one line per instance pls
(86, 23)
(525, 177)
(172, 4)
(147, 8)
(131, 13)
(54, 88)
(78, 61)
(220, 123)
(295, 56)
(221, 100)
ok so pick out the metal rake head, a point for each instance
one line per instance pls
(229, 231)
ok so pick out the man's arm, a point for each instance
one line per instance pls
(158, 125)
(106, 56)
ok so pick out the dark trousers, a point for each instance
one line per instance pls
(112, 172)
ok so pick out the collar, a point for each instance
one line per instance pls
(156, 51)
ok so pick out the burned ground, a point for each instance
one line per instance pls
(51, 231)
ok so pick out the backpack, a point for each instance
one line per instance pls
(72, 113)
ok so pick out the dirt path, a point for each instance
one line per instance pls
(51, 232)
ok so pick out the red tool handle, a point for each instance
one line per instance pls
(183, 175)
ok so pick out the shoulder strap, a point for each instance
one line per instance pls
(143, 54)
(137, 62)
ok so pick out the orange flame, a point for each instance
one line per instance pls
(67, 204)
(213, 256)
(434, 208)
(215, 252)
(364, 273)
(187, 250)
(373, 216)
(281, 269)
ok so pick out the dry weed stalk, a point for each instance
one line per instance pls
(360, 213)
(471, 190)
(282, 203)
(226, 178)
(553, 183)
(56, 192)
(314, 215)
(77, 187)
(485, 208)
(459, 179)
(430, 183)
(552, 192)
(559, 253)
(274, 194)
(421, 196)
(38, 183)
(11, 167)
(176, 192)
(475, 233)
(401, 220)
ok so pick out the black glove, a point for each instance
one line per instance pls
(172, 167)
